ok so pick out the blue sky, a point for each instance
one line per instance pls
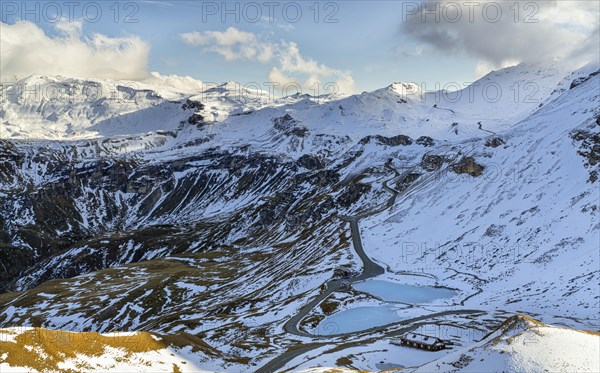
(369, 42)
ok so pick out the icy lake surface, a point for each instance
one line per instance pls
(393, 292)
(358, 318)
(361, 318)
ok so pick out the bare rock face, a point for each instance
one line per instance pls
(589, 149)
(467, 165)
(353, 194)
(196, 119)
(583, 79)
(425, 141)
(310, 162)
(290, 126)
(589, 146)
(13, 259)
(389, 141)
(494, 142)
(494, 230)
(404, 182)
(432, 162)
(191, 104)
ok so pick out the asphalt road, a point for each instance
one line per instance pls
(370, 269)
(399, 328)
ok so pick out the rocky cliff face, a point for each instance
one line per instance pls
(74, 216)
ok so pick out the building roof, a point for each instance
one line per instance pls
(421, 338)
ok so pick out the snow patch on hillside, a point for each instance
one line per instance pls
(524, 345)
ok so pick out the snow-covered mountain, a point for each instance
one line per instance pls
(42, 107)
(221, 216)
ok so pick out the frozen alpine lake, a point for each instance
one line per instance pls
(359, 318)
(393, 292)
(365, 317)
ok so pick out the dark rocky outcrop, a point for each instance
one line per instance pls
(589, 149)
(195, 105)
(311, 162)
(321, 178)
(290, 126)
(494, 230)
(13, 260)
(494, 142)
(352, 194)
(583, 79)
(406, 180)
(432, 162)
(467, 165)
(390, 141)
(196, 119)
(425, 141)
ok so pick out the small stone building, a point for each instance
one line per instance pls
(421, 341)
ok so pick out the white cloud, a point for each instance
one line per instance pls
(579, 15)
(539, 31)
(587, 50)
(181, 83)
(232, 44)
(483, 68)
(286, 27)
(293, 68)
(26, 50)
(404, 53)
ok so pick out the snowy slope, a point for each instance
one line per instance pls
(56, 107)
(534, 209)
(524, 345)
(403, 109)
(42, 107)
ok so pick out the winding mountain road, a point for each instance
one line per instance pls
(370, 270)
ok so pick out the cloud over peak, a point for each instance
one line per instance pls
(27, 49)
(292, 69)
(232, 44)
(498, 33)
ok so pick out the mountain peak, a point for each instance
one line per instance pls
(404, 88)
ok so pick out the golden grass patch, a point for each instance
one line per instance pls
(43, 349)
